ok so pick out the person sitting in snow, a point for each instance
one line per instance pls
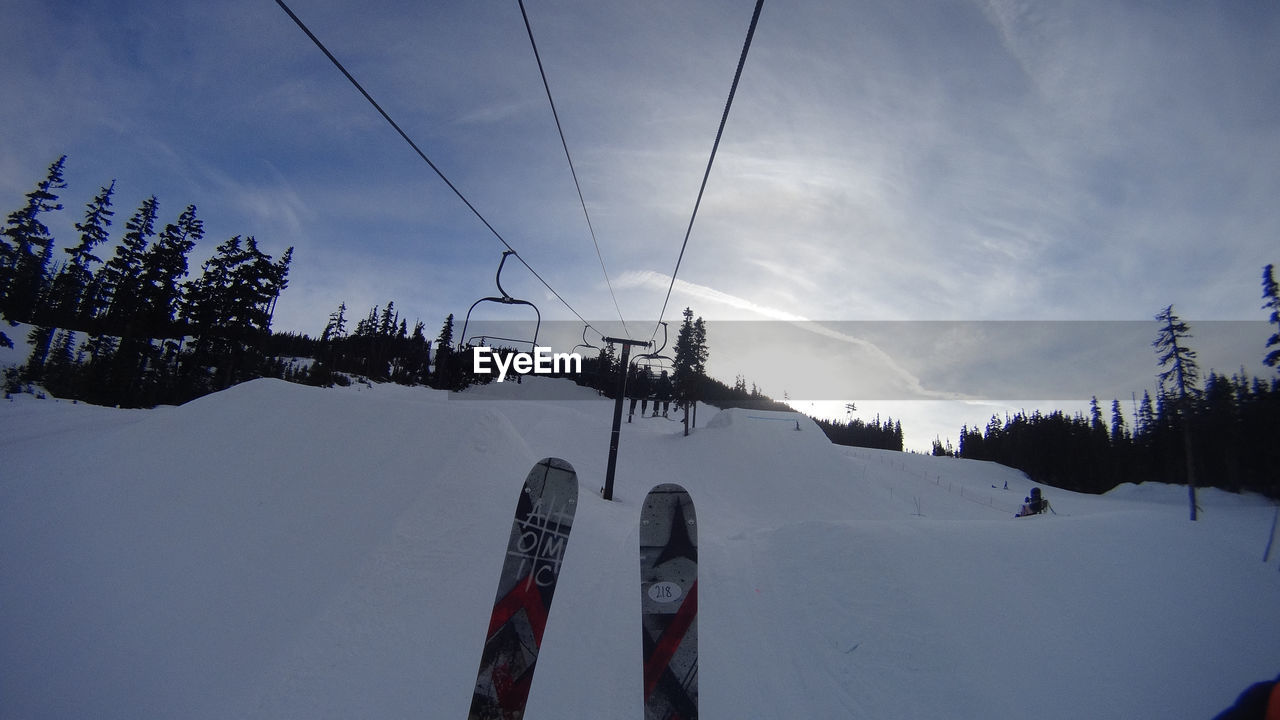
(1033, 505)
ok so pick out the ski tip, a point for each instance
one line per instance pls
(557, 463)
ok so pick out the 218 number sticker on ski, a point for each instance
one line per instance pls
(665, 592)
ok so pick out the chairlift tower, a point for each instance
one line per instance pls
(607, 491)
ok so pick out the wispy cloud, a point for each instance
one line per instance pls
(872, 358)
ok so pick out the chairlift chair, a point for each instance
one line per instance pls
(584, 344)
(656, 357)
(506, 299)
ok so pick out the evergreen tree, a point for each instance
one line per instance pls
(445, 376)
(1271, 293)
(1146, 416)
(690, 363)
(229, 310)
(1178, 383)
(120, 279)
(413, 366)
(1119, 434)
(164, 265)
(1096, 424)
(1219, 430)
(365, 327)
(387, 323)
(336, 328)
(61, 369)
(25, 248)
(1182, 374)
(446, 333)
(122, 283)
(73, 297)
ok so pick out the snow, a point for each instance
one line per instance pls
(280, 551)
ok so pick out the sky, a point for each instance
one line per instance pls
(885, 165)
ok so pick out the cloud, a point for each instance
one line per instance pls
(742, 336)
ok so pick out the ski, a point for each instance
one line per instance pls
(669, 603)
(539, 536)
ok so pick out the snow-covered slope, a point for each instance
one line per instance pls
(278, 551)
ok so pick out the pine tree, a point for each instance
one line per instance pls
(121, 278)
(445, 340)
(387, 322)
(229, 310)
(1119, 433)
(72, 300)
(1178, 383)
(1146, 416)
(444, 377)
(336, 328)
(413, 369)
(164, 265)
(1096, 424)
(121, 283)
(25, 248)
(159, 294)
(61, 370)
(1271, 293)
(1182, 375)
(690, 363)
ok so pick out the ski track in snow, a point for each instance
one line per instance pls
(278, 551)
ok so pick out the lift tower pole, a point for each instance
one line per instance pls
(607, 491)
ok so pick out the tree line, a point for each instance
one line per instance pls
(1221, 433)
(133, 330)
(881, 434)
(137, 330)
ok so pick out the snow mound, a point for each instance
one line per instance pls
(1166, 494)
(775, 429)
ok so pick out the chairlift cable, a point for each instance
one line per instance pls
(751, 30)
(302, 26)
(565, 144)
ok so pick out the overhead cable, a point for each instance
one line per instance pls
(751, 30)
(536, 56)
(422, 154)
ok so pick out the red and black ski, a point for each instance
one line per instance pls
(669, 603)
(539, 536)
